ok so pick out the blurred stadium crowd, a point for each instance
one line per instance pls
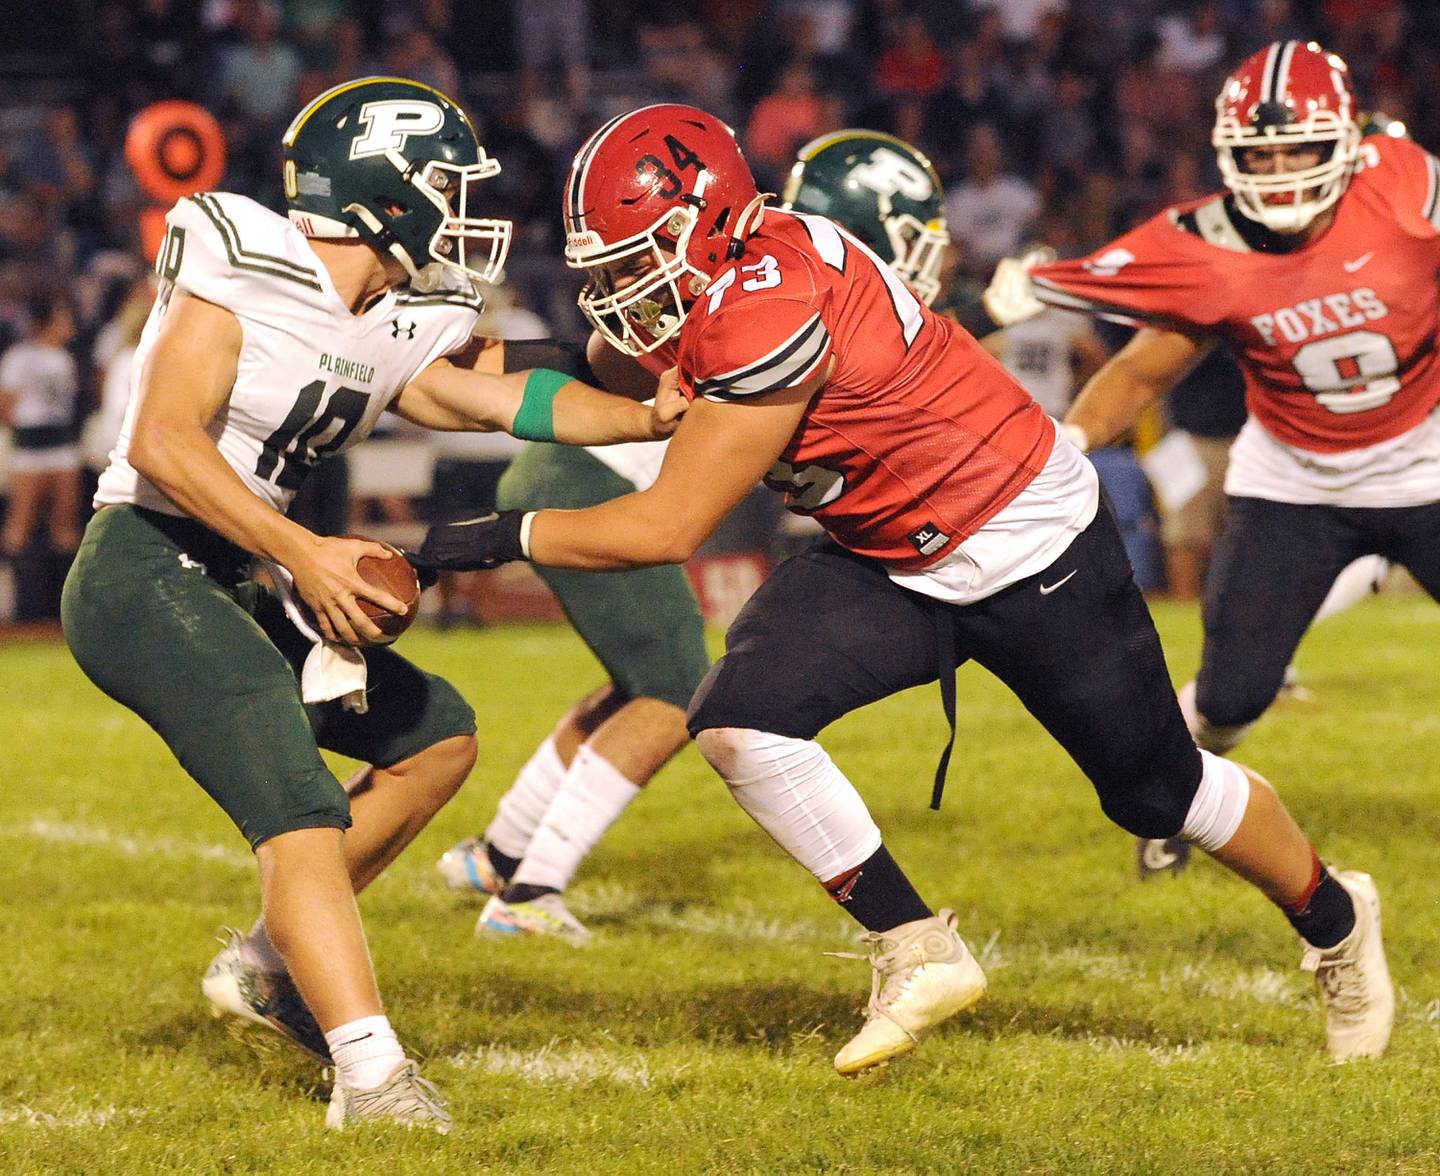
(1063, 121)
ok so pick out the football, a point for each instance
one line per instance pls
(398, 578)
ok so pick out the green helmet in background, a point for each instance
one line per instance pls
(397, 164)
(885, 192)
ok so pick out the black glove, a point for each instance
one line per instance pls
(472, 545)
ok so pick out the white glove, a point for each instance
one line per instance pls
(1009, 298)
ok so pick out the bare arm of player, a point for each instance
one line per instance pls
(717, 458)
(1088, 354)
(1136, 376)
(994, 343)
(186, 380)
(456, 394)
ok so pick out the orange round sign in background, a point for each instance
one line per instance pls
(175, 149)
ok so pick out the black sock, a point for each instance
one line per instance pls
(525, 892)
(877, 895)
(502, 863)
(1328, 917)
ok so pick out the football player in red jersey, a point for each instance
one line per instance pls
(960, 526)
(1318, 270)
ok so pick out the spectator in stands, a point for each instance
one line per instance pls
(39, 385)
(913, 66)
(555, 33)
(793, 114)
(1193, 41)
(969, 96)
(1067, 135)
(1021, 18)
(414, 53)
(260, 76)
(990, 211)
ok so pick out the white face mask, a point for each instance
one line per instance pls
(640, 316)
(1288, 201)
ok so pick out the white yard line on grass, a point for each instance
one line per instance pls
(556, 1062)
(72, 1117)
(71, 833)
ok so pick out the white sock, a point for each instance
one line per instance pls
(792, 789)
(590, 800)
(1355, 582)
(523, 807)
(366, 1051)
(257, 950)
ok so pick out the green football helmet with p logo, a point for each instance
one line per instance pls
(885, 192)
(397, 164)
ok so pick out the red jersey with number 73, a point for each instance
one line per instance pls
(916, 440)
(1336, 339)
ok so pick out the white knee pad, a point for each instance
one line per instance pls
(1219, 804)
(1208, 736)
(792, 789)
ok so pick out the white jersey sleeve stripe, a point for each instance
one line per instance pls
(772, 356)
(242, 258)
(797, 351)
(826, 238)
(1432, 195)
(788, 364)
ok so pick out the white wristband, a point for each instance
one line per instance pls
(525, 524)
(1070, 431)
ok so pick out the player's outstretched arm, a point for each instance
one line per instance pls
(1136, 376)
(537, 405)
(187, 377)
(716, 458)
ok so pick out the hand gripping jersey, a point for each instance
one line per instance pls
(312, 377)
(1336, 339)
(918, 437)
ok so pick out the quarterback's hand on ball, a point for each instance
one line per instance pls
(327, 581)
(670, 405)
(1009, 299)
(472, 545)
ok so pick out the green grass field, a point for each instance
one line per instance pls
(1142, 1029)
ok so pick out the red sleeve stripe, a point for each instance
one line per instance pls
(793, 362)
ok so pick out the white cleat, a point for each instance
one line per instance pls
(1354, 980)
(546, 915)
(467, 867)
(924, 974)
(404, 1097)
(241, 993)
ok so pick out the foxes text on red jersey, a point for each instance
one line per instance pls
(917, 438)
(1336, 339)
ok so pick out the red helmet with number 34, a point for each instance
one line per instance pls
(1288, 94)
(656, 201)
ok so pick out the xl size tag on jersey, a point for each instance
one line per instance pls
(929, 539)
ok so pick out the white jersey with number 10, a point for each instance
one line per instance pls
(312, 377)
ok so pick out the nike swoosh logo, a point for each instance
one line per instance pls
(1046, 589)
(1352, 266)
(356, 1041)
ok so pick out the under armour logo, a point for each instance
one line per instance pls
(194, 564)
(397, 326)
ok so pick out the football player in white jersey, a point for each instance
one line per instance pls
(274, 343)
